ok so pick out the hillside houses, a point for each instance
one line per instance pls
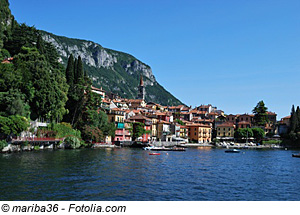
(200, 124)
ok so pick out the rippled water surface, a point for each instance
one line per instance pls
(132, 174)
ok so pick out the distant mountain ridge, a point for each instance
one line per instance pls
(115, 71)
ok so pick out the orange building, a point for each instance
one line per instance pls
(199, 133)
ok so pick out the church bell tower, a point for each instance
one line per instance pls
(141, 93)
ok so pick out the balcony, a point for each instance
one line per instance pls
(120, 125)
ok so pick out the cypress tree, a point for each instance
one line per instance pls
(75, 71)
(70, 71)
(298, 119)
(293, 120)
(80, 72)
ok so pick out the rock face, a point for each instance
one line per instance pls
(115, 71)
(93, 54)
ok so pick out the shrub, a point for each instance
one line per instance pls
(3, 144)
(72, 142)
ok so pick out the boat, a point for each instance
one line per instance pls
(167, 149)
(232, 151)
(296, 155)
(154, 153)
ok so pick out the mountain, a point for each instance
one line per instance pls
(112, 70)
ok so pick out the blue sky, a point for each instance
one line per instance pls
(231, 54)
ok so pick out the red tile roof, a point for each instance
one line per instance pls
(139, 116)
(197, 125)
(226, 124)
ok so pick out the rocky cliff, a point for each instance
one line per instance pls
(115, 71)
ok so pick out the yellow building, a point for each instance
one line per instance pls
(225, 130)
(154, 128)
(183, 131)
(199, 133)
(116, 115)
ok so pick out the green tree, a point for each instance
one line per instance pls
(243, 133)
(80, 72)
(179, 121)
(258, 134)
(72, 142)
(13, 103)
(298, 119)
(40, 44)
(138, 130)
(13, 125)
(260, 114)
(70, 71)
(293, 120)
(50, 89)
(91, 133)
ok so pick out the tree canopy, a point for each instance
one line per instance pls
(260, 114)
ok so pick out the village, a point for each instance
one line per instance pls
(200, 125)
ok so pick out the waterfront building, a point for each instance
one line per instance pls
(147, 126)
(117, 116)
(164, 131)
(183, 131)
(225, 130)
(199, 133)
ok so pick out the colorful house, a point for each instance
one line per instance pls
(225, 130)
(147, 126)
(199, 133)
(117, 116)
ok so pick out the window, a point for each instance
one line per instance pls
(219, 133)
(195, 133)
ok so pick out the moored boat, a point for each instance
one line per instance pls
(167, 149)
(232, 151)
(154, 153)
(296, 155)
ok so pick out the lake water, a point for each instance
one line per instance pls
(132, 174)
